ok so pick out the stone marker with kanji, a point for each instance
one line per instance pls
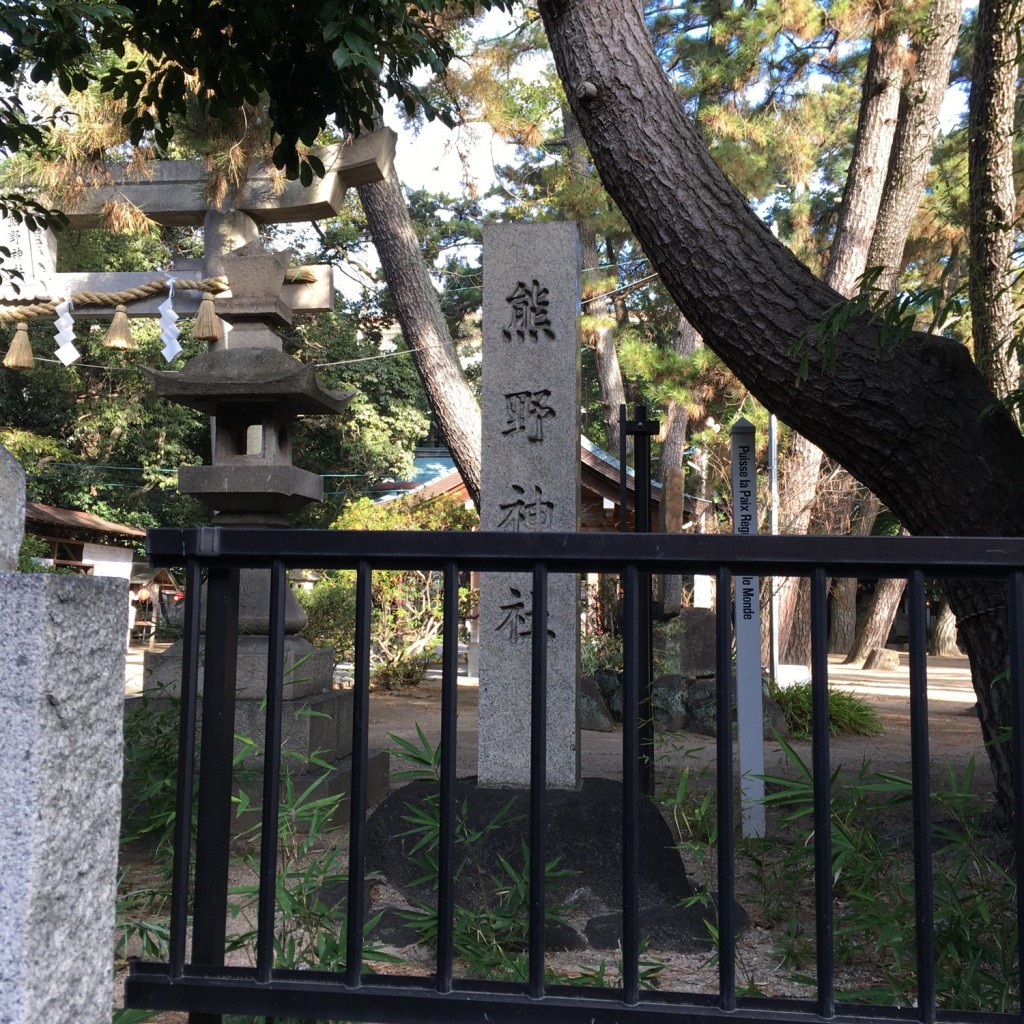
(530, 480)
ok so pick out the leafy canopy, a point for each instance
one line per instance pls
(313, 62)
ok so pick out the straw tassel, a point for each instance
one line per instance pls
(120, 334)
(19, 355)
(208, 326)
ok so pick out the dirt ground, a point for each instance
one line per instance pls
(955, 736)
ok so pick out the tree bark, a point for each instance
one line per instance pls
(875, 627)
(915, 133)
(423, 325)
(799, 484)
(677, 417)
(865, 179)
(943, 639)
(858, 219)
(843, 625)
(992, 195)
(609, 381)
(914, 422)
(599, 327)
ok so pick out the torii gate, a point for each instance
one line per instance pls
(172, 196)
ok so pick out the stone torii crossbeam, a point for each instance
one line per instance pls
(172, 195)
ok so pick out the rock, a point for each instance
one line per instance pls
(677, 929)
(561, 937)
(594, 714)
(669, 697)
(702, 706)
(609, 682)
(882, 659)
(687, 643)
(393, 929)
(774, 719)
(584, 833)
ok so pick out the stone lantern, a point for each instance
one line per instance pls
(253, 390)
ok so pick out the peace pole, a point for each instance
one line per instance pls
(747, 627)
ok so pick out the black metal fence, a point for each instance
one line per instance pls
(198, 981)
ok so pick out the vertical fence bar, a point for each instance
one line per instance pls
(357, 794)
(642, 524)
(446, 838)
(820, 769)
(623, 487)
(538, 775)
(632, 650)
(723, 743)
(1016, 613)
(186, 770)
(216, 757)
(271, 776)
(920, 772)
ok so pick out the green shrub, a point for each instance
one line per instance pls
(331, 613)
(600, 650)
(407, 608)
(847, 713)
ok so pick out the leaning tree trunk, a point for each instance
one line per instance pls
(423, 326)
(915, 133)
(887, 205)
(599, 327)
(843, 624)
(798, 485)
(874, 629)
(914, 422)
(943, 639)
(873, 632)
(858, 217)
(992, 195)
(866, 176)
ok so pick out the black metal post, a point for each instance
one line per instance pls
(642, 429)
(449, 736)
(216, 756)
(271, 775)
(186, 770)
(357, 792)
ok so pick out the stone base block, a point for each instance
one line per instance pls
(307, 670)
(336, 782)
(320, 725)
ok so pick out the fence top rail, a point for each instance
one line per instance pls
(491, 551)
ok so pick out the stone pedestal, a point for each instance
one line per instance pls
(529, 483)
(61, 688)
(316, 720)
(12, 510)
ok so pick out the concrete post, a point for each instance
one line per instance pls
(61, 695)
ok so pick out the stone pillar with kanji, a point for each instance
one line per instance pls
(530, 480)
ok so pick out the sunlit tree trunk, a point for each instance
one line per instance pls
(943, 639)
(423, 325)
(843, 623)
(992, 196)
(874, 628)
(911, 150)
(599, 326)
(890, 203)
(848, 258)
